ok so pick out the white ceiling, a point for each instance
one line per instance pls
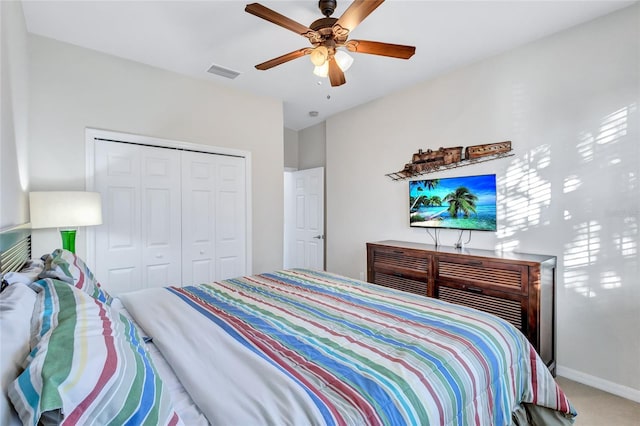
(188, 37)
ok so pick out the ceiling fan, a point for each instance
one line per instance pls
(327, 34)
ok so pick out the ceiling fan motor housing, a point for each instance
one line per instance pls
(327, 7)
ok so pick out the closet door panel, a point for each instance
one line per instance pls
(122, 209)
(161, 217)
(118, 245)
(230, 217)
(198, 217)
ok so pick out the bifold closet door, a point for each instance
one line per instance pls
(139, 244)
(213, 217)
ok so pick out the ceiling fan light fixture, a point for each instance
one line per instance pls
(322, 70)
(328, 34)
(343, 59)
(319, 55)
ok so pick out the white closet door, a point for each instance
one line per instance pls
(231, 211)
(161, 217)
(213, 217)
(118, 243)
(139, 244)
(198, 215)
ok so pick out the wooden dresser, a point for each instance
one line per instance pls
(517, 287)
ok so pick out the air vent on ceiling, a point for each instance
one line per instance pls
(222, 71)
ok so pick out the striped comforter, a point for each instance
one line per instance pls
(308, 347)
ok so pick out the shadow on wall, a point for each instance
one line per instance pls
(605, 229)
(595, 213)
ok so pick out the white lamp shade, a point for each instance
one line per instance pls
(322, 70)
(343, 59)
(65, 209)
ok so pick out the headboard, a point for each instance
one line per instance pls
(15, 248)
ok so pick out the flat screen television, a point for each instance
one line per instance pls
(466, 202)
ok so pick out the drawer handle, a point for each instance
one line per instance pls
(475, 290)
(397, 274)
(475, 263)
(398, 251)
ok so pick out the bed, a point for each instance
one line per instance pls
(289, 347)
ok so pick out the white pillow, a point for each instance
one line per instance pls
(28, 274)
(16, 307)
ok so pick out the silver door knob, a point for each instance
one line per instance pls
(319, 237)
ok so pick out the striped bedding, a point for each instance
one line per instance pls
(307, 347)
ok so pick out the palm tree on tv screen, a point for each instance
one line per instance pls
(434, 201)
(422, 200)
(431, 184)
(461, 200)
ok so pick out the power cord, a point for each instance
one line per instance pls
(434, 236)
(460, 244)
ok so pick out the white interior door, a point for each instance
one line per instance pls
(304, 219)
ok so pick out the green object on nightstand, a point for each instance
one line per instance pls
(69, 239)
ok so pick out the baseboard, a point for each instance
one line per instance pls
(598, 383)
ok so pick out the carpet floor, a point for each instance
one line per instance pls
(599, 408)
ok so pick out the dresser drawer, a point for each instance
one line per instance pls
(408, 260)
(478, 273)
(507, 306)
(400, 282)
(401, 269)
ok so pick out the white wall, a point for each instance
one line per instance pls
(73, 88)
(290, 149)
(570, 104)
(312, 147)
(306, 148)
(14, 179)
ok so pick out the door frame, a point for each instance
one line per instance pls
(92, 134)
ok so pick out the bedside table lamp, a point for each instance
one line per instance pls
(65, 210)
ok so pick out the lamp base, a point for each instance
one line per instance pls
(68, 239)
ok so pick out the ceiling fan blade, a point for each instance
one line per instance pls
(336, 76)
(356, 12)
(382, 49)
(284, 58)
(274, 17)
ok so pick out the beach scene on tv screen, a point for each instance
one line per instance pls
(466, 202)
